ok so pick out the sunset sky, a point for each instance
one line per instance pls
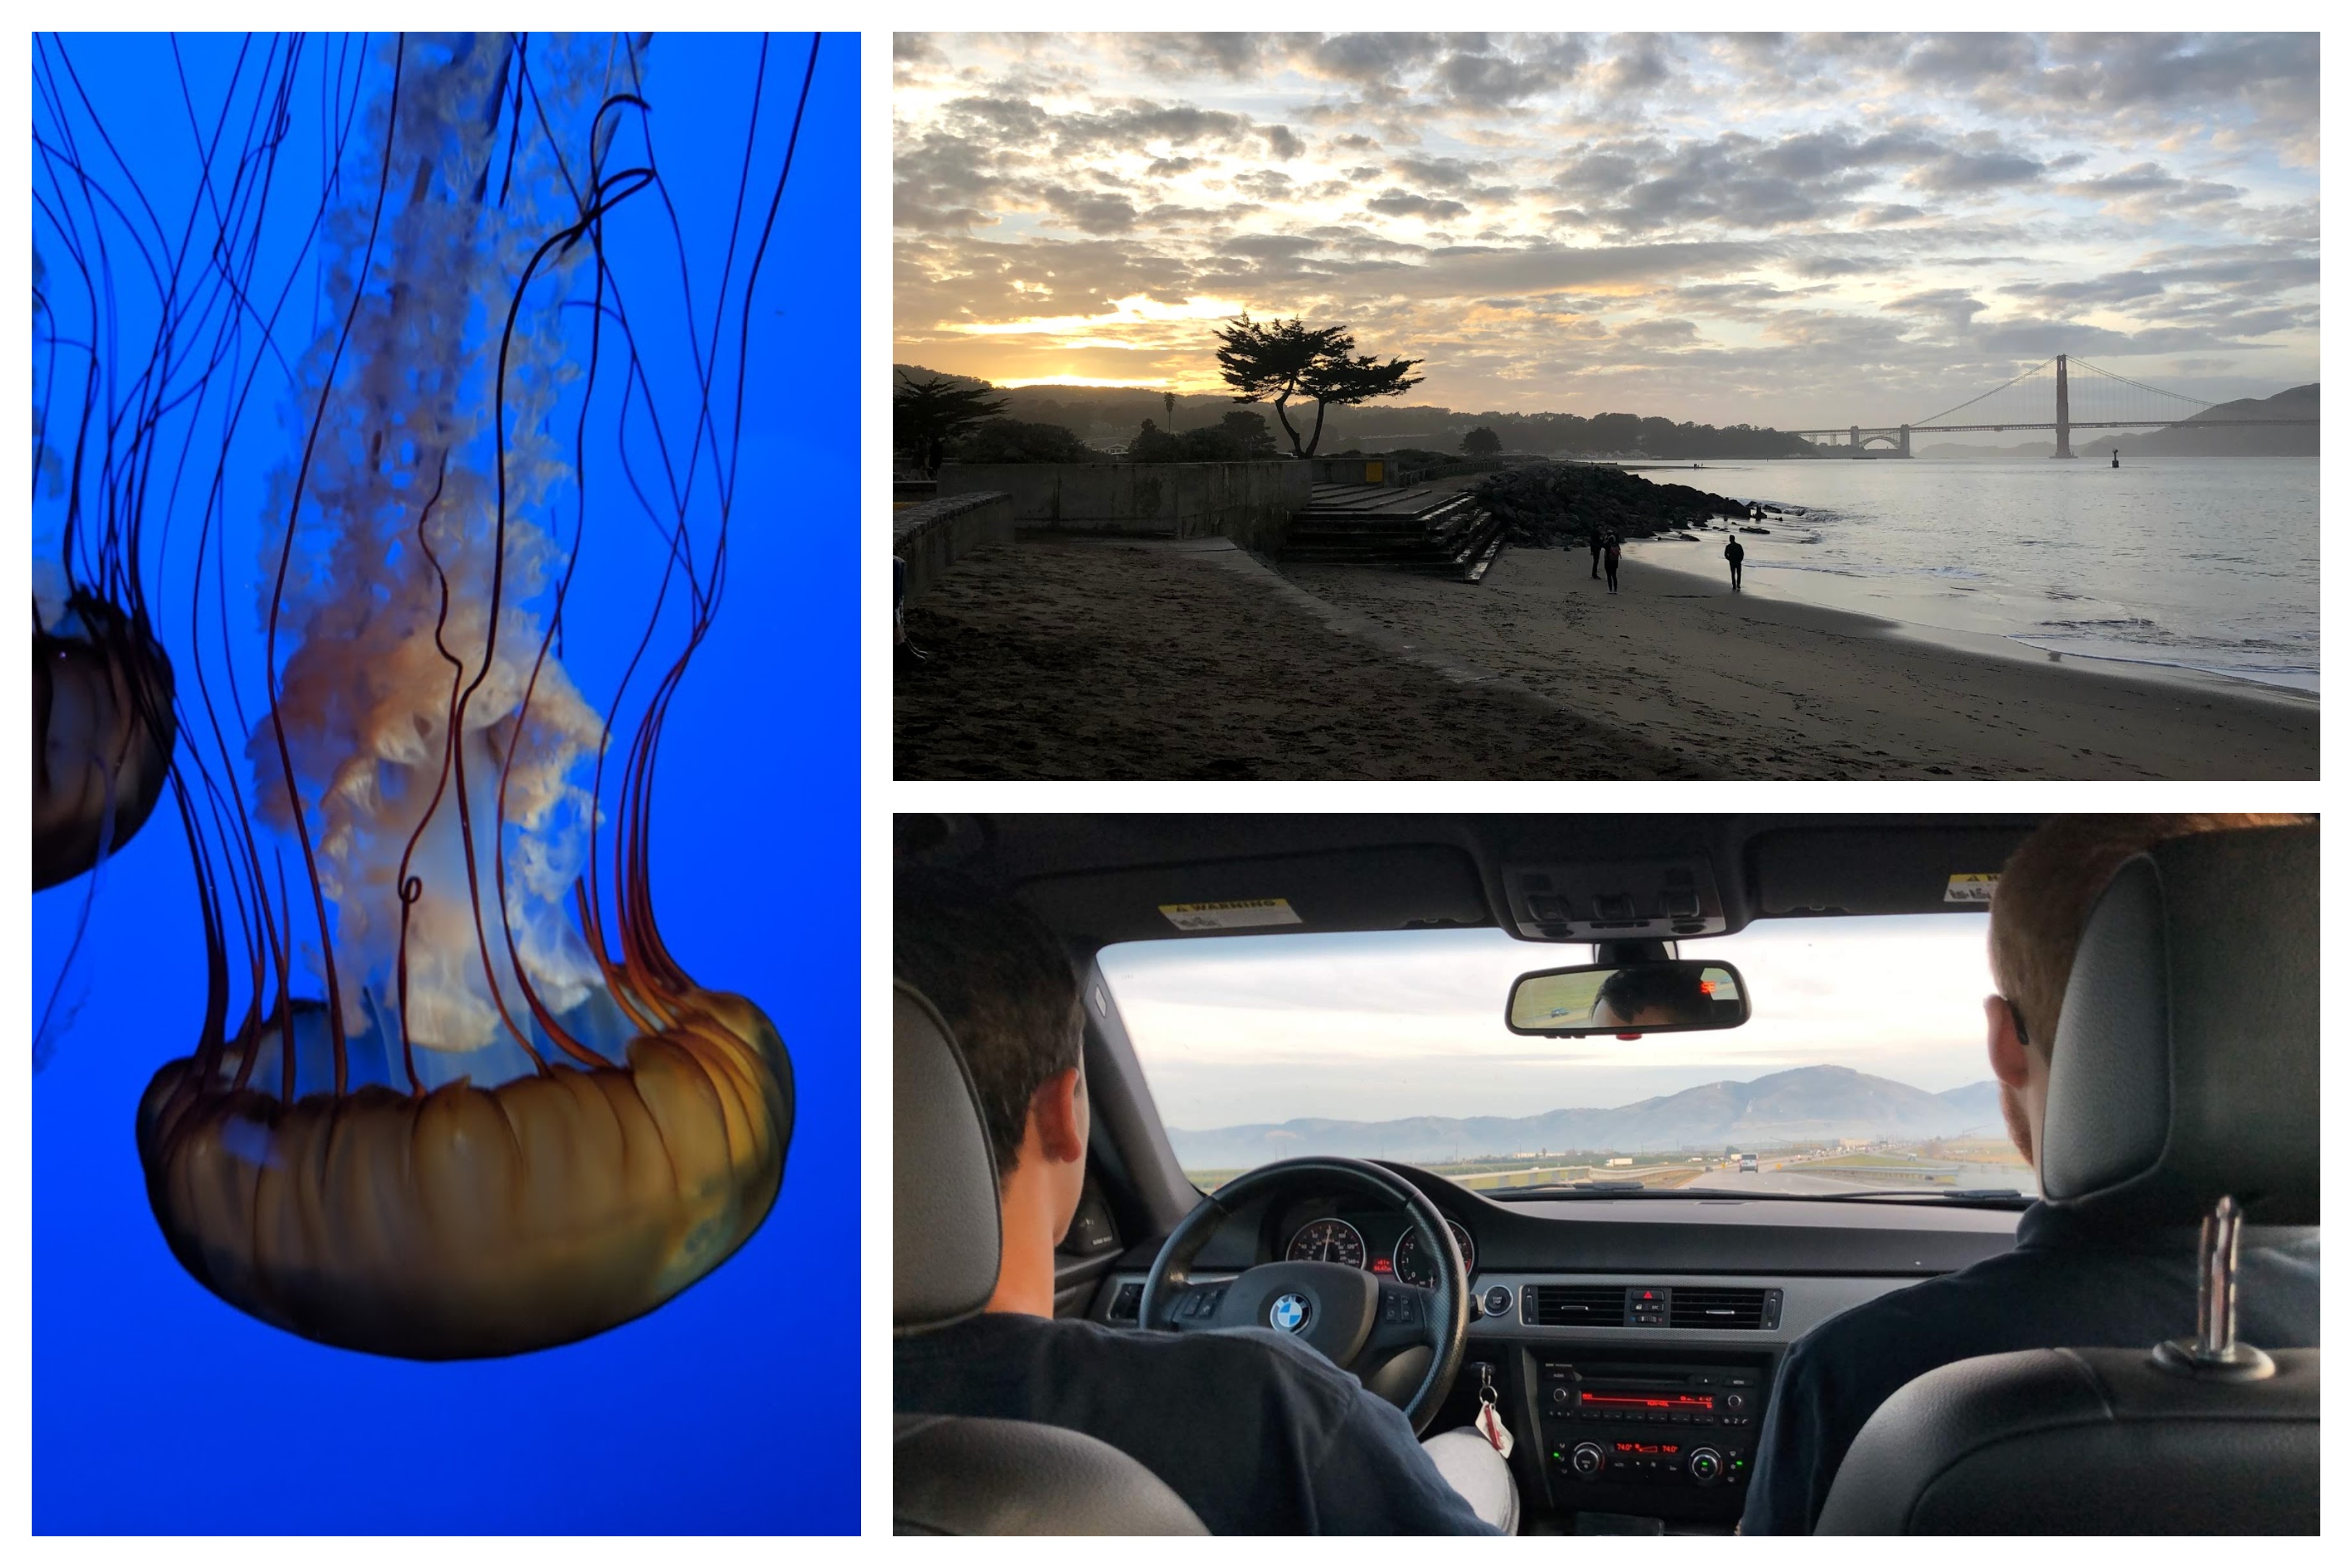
(1774, 229)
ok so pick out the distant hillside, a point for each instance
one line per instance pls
(2186, 440)
(1116, 413)
(1803, 1105)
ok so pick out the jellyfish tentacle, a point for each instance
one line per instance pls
(45, 1036)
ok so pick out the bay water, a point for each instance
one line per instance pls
(2202, 563)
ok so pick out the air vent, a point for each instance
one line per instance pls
(1716, 1307)
(1579, 1306)
(1128, 1305)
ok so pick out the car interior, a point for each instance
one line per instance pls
(1627, 1316)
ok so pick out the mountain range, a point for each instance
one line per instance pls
(1803, 1105)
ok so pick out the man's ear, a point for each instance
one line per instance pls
(2002, 1044)
(1059, 1111)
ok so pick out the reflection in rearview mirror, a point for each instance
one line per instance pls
(1628, 999)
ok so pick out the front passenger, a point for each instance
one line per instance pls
(1258, 1432)
(2070, 1279)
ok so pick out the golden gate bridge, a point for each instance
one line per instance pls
(2108, 401)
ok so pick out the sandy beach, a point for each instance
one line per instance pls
(1055, 659)
(1060, 659)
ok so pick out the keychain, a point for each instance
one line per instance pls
(1490, 1420)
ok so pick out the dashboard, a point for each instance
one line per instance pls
(1632, 1341)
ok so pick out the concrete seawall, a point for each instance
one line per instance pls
(1249, 503)
(930, 537)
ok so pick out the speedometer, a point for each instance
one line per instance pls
(1328, 1241)
(1415, 1268)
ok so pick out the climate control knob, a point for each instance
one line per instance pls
(1706, 1466)
(1586, 1460)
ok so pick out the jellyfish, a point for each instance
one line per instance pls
(102, 722)
(451, 1096)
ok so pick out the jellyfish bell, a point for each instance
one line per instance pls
(502, 1117)
(103, 732)
(470, 1221)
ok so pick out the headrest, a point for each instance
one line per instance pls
(946, 1238)
(2187, 1062)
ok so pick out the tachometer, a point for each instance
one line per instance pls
(1415, 1268)
(1328, 1241)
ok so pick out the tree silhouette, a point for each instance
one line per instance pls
(1277, 361)
(925, 414)
(1481, 443)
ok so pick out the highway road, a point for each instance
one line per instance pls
(1797, 1179)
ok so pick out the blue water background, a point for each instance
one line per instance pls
(734, 1408)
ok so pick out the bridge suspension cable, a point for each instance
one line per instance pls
(1979, 398)
(2179, 397)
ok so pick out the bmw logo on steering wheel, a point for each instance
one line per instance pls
(1288, 1313)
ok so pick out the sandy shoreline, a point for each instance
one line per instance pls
(1089, 659)
(1775, 687)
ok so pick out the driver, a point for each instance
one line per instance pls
(2068, 1280)
(1650, 995)
(1256, 1431)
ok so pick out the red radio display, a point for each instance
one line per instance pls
(1668, 1402)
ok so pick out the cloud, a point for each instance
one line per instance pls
(1955, 308)
(1962, 172)
(1397, 203)
(1264, 185)
(1284, 142)
(1090, 211)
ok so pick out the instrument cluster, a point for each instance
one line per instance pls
(1398, 1251)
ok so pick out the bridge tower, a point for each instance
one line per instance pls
(2065, 427)
(1853, 441)
(1903, 445)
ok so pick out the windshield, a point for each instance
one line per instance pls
(1862, 1070)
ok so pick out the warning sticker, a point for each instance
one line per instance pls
(1233, 914)
(1972, 888)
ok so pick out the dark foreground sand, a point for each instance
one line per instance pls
(1060, 659)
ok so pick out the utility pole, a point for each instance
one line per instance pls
(2066, 426)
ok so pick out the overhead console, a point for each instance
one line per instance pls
(1614, 900)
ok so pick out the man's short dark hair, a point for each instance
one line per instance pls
(1002, 980)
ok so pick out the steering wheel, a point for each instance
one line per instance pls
(1354, 1316)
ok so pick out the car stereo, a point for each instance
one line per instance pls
(1609, 1425)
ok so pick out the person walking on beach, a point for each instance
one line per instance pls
(1595, 539)
(1735, 554)
(1609, 559)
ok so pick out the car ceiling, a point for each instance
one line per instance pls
(1105, 878)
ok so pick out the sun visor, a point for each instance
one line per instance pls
(1400, 888)
(1849, 871)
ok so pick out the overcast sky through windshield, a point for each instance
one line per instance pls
(1374, 1026)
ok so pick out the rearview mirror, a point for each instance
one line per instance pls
(1628, 999)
